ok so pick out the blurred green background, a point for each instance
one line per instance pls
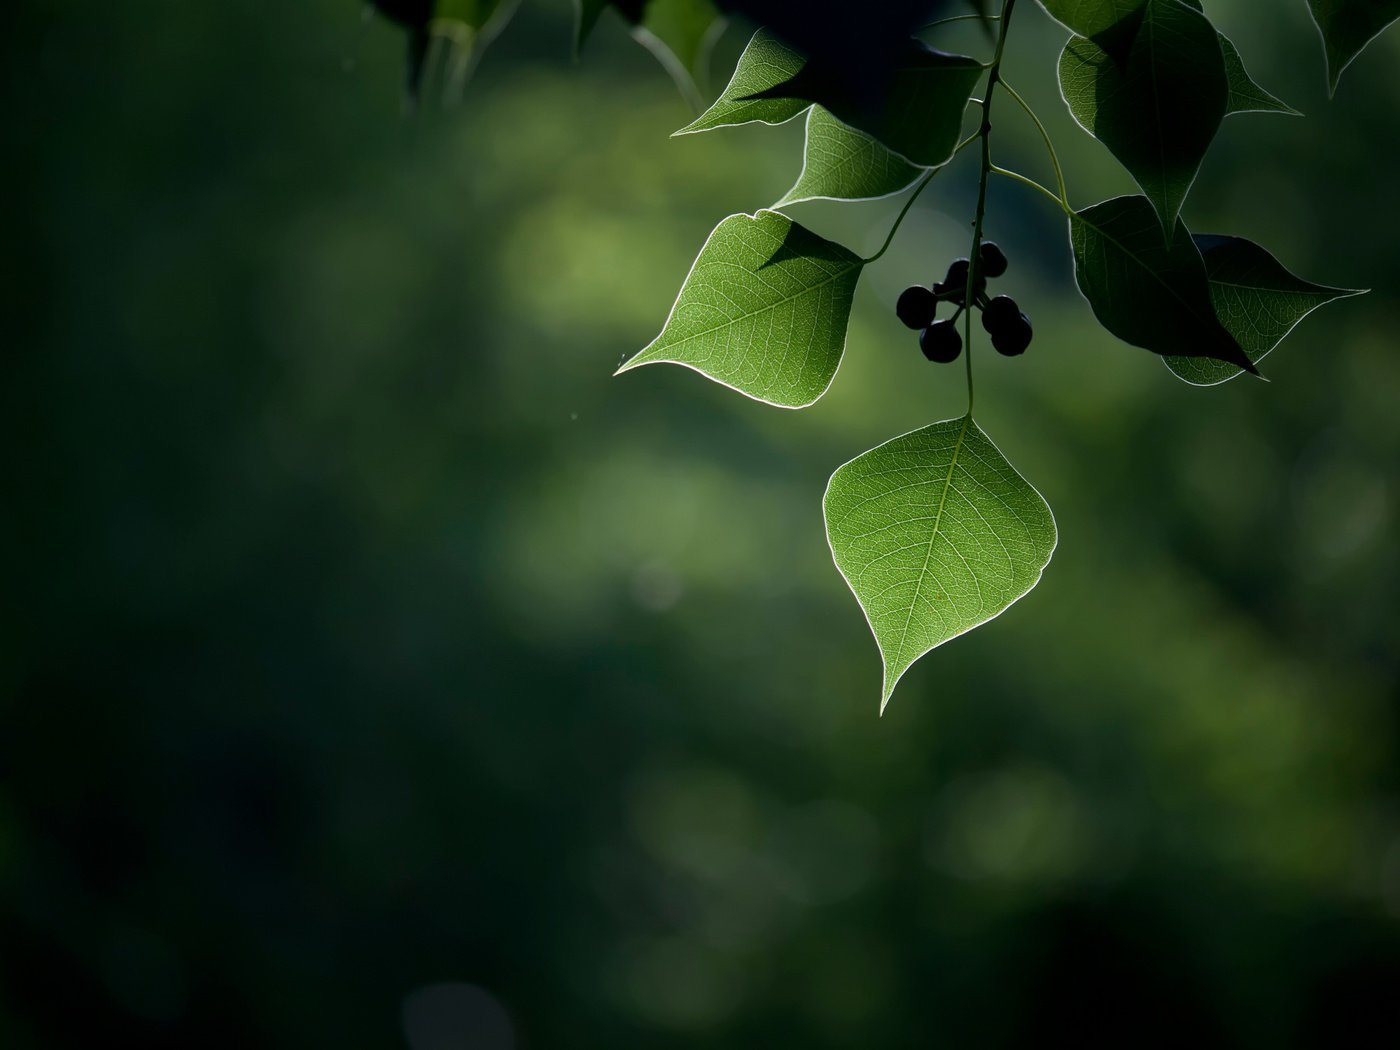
(380, 672)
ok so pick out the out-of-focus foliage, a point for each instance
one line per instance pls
(373, 670)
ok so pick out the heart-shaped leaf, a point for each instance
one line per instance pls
(1347, 26)
(1158, 109)
(936, 533)
(1144, 290)
(841, 163)
(1256, 299)
(763, 311)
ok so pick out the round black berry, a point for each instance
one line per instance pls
(917, 307)
(940, 342)
(992, 258)
(1014, 338)
(955, 284)
(998, 314)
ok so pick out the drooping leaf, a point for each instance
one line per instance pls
(1111, 24)
(841, 163)
(1347, 26)
(1245, 95)
(935, 532)
(1158, 109)
(915, 111)
(763, 311)
(1145, 290)
(765, 62)
(1256, 299)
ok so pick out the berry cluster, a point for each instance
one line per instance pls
(1001, 317)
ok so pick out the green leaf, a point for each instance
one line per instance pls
(1144, 290)
(763, 311)
(587, 13)
(1347, 26)
(935, 533)
(473, 13)
(1256, 299)
(680, 33)
(1245, 95)
(920, 114)
(1111, 24)
(841, 163)
(1158, 109)
(766, 62)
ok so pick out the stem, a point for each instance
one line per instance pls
(993, 77)
(1064, 205)
(928, 177)
(1045, 137)
(958, 18)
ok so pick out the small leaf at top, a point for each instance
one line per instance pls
(936, 533)
(841, 163)
(916, 110)
(1245, 95)
(766, 61)
(1111, 24)
(1158, 109)
(1256, 299)
(1347, 26)
(763, 311)
(1144, 290)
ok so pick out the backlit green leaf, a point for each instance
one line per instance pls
(764, 311)
(765, 63)
(1145, 291)
(1347, 26)
(1255, 298)
(841, 163)
(1157, 109)
(935, 533)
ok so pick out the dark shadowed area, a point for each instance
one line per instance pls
(381, 672)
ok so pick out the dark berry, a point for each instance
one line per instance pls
(1014, 338)
(992, 258)
(940, 342)
(1000, 313)
(917, 307)
(955, 284)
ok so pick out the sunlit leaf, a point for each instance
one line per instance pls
(1158, 108)
(766, 62)
(935, 532)
(1256, 299)
(764, 311)
(840, 163)
(1347, 26)
(1148, 292)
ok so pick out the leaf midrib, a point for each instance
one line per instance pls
(933, 538)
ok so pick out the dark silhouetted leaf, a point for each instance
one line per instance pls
(918, 115)
(1145, 291)
(1112, 24)
(1347, 26)
(1158, 109)
(1245, 95)
(1256, 299)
